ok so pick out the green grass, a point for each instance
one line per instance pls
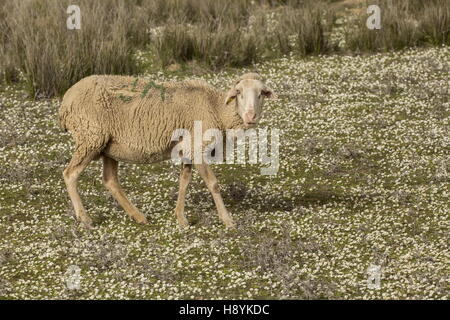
(363, 180)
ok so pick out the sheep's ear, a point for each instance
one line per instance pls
(268, 93)
(231, 95)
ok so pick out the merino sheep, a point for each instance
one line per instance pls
(121, 118)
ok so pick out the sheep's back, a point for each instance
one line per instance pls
(147, 116)
(138, 115)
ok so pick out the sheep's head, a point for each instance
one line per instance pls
(248, 94)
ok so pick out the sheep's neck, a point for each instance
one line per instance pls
(229, 117)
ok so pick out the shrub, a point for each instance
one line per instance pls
(36, 44)
(36, 40)
(238, 34)
(227, 46)
(404, 23)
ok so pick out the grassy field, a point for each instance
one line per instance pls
(363, 179)
(214, 34)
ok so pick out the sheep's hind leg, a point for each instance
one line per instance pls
(211, 182)
(111, 182)
(185, 178)
(78, 163)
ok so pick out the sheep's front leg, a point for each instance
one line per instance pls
(211, 182)
(185, 178)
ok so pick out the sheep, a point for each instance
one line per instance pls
(122, 118)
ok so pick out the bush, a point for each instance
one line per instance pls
(404, 23)
(36, 44)
(236, 34)
(304, 30)
(227, 46)
(36, 40)
(435, 23)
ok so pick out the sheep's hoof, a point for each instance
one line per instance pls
(142, 220)
(230, 225)
(183, 224)
(87, 224)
